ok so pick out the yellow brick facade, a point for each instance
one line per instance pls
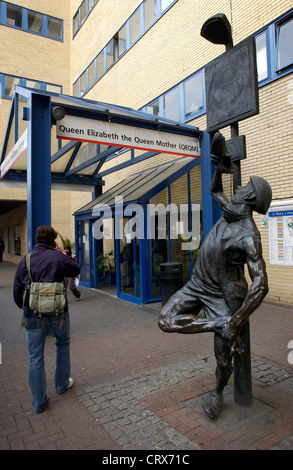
(168, 53)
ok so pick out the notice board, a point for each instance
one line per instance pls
(281, 233)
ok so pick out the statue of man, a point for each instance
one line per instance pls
(218, 285)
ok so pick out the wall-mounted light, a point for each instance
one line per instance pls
(58, 113)
(217, 30)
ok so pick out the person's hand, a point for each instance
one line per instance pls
(58, 247)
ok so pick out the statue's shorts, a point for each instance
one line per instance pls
(194, 297)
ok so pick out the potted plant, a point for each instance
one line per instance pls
(106, 267)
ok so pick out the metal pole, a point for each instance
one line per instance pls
(38, 165)
(242, 362)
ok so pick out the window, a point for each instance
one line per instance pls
(82, 12)
(14, 16)
(31, 21)
(35, 22)
(149, 12)
(111, 51)
(76, 23)
(91, 4)
(92, 74)
(83, 86)
(33, 84)
(274, 53)
(122, 45)
(54, 88)
(261, 56)
(171, 105)
(55, 28)
(193, 95)
(9, 83)
(153, 108)
(100, 64)
(165, 4)
(284, 44)
(134, 24)
(143, 17)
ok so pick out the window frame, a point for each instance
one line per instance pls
(278, 25)
(77, 15)
(24, 23)
(23, 82)
(274, 72)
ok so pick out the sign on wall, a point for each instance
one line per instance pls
(108, 133)
(14, 153)
(281, 233)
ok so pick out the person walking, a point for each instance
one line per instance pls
(70, 281)
(48, 264)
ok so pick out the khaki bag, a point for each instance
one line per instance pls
(46, 298)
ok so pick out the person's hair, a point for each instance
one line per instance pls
(46, 235)
(67, 247)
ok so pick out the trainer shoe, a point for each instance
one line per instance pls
(70, 383)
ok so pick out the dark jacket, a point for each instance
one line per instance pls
(47, 265)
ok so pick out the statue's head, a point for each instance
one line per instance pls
(257, 193)
(263, 194)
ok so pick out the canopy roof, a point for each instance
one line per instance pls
(140, 187)
(82, 162)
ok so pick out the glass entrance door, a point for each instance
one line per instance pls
(129, 262)
(84, 251)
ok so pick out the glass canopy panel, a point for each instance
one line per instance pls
(138, 185)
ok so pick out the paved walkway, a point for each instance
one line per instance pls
(139, 388)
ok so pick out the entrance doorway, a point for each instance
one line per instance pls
(129, 260)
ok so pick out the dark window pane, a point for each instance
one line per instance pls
(35, 22)
(14, 16)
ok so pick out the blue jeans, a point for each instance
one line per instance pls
(36, 338)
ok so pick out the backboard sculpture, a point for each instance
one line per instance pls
(218, 286)
(231, 86)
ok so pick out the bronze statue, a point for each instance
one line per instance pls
(218, 285)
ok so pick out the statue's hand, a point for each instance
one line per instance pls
(232, 336)
(219, 154)
(223, 163)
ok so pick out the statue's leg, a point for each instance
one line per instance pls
(214, 403)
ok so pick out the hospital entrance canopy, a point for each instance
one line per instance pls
(55, 138)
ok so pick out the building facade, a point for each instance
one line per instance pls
(149, 56)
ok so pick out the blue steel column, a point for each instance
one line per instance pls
(210, 210)
(38, 165)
